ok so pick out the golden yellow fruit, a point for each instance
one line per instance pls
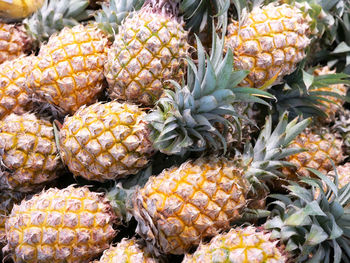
(17, 9)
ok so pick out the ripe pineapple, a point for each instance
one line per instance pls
(16, 40)
(127, 251)
(106, 141)
(343, 172)
(322, 148)
(269, 42)
(7, 200)
(28, 154)
(335, 105)
(111, 140)
(14, 97)
(248, 244)
(300, 228)
(17, 9)
(148, 50)
(68, 225)
(183, 205)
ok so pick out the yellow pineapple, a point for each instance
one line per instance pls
(183, 205)
(17, 9)
(28, 154)
(16, 40)
(240, 245)
(126, 251)
(7, 200)
(322, 148)
(148, 50)
(68, 225)
(14, 96)
(335, 105)
(106, 141)
(269, 42)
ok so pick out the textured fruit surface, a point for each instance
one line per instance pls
(148, 50)
(182, 205)
(13, 41)
(269, 42)
(28, 152)
(14, 97)
(331, 108)
(343, 172)
(322, 147)
(105, 141)
(68, 225)
(7, 200)
(127, 251)
(69, 70)
(240, 245)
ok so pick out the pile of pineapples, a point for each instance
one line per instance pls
(174, 131)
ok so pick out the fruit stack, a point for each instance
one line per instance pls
(174, 131)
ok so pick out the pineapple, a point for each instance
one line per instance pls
(106, 141)
(29, 157)
(301, 228)
(68, 225)
(14, 97)
(183, 205)
(7, 200)
(269, 42)
(322, 148)
(126, 251)
(239, 245)
(112, 140)
(68, 72)
(343, 173)
(148, 50)
(16, 40)
(334, 104)
(17, 9)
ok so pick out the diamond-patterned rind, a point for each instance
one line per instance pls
(14, 96)
(71, 225)
(148, 51)
(182, 205)
(126, 251)
(106, 141)
(240, 245)
(28, 152)
(69, 69)
(13, 42)
(322, 148)
(269, 43)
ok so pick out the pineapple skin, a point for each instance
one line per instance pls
(14, 96)
(17, 9)
(343, 172)
(68, 225)
(106, 141)
(14, 42)
(185, 204)
(269, 42)
(69, 70)
(7, 200)
(28, 153)
(148, 50)
(126, 251)
(240, 245)
(322, 148)
(331, 109)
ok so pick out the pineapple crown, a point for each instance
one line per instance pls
(113, 13)
(313, 221)
(264, 160)
(53, 16)
(185, 119)
(199, 14)
(301, 94)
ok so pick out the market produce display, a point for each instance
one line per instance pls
(182, 131)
